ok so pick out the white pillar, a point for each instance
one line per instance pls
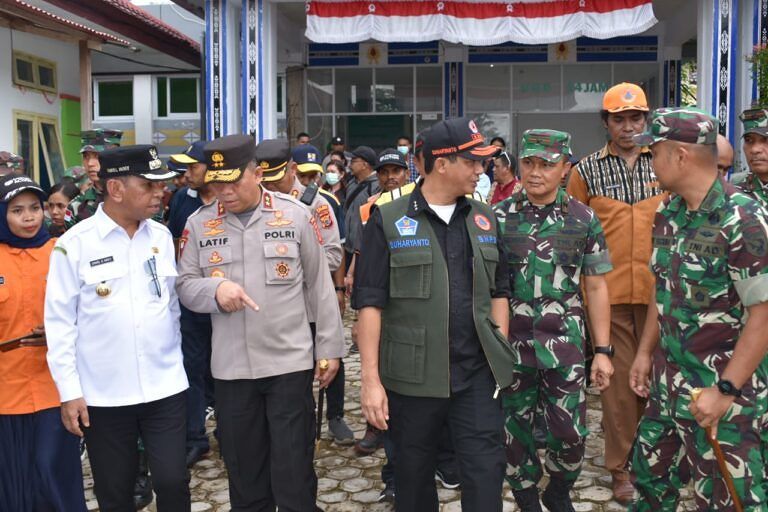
(142, 108)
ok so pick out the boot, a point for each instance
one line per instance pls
(557, 496)
(142, 490)
(528, 499)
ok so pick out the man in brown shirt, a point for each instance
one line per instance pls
(619, 184)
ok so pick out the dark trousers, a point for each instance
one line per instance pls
(112, 439)
(266, 430)
(196, 347)
(446, 458)
(476, 425)
(40, 467)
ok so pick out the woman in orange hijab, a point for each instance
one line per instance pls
(40, 467)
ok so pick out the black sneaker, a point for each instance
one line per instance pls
(387, 494)
(447, 479)
(557, 497)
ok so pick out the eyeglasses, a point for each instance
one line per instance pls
(506, 157)
(151, 267)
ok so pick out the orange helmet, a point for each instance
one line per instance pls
(625, 96)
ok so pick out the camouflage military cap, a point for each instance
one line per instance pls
(755, 120)
(76, 172)
(683, 124)
(10, 160)
(551, 145)
(99, 139)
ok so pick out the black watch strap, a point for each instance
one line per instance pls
(607, 350)
(726, 387)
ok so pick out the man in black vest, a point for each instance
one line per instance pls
(432, 288)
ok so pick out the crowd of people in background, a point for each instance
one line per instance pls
(489, 284)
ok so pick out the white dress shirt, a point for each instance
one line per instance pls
(122, 347)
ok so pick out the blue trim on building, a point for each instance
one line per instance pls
(446, 90)
(260, 70)
(244, 66)
(334, 61)
(506, 57)
(223, 81)
(208, 82)
(619, 41)
(755, 38)
(429, 45)
(732, 65)
(665, 98)
(715, 55)
(617, 57)
(413, 59)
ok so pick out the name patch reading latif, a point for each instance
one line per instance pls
(101, 261)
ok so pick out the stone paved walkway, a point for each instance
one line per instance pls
(348, 483)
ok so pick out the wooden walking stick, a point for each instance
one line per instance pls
(320, 399)
(720, 456)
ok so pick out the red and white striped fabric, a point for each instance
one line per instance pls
(475, 22)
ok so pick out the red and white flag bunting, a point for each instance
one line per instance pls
(475, 22)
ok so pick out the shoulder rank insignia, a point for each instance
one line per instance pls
(406, 226)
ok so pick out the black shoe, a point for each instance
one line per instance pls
(142, 489)
(371, 441)
(387, 494)
(195, 454)
(528, 499)
(557, 496)
(448, 479)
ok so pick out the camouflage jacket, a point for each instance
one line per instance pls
(549, 249)
(709, 265)
(82, 207)
(756, 189)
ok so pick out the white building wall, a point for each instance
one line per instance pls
(15, 98)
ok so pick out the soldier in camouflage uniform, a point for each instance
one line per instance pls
(710, 260)
(553, 240)
(93, 142)
(755, 123)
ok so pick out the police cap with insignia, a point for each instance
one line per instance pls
(140, 160)
(456, 137)
(99, 140)
(13, 185)
(228, 157)
(194, 154)
(307, 158)
(272, 156)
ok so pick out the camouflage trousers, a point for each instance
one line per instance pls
(559, 393)
(671, 449)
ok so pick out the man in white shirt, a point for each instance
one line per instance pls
(114, 347)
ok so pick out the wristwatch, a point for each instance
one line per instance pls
(726, 387)
(607, 350)
(340, 288)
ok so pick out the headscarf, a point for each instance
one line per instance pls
(6, 237)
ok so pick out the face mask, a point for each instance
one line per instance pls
(332, 178)
(403, 149)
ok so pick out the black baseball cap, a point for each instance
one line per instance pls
(391, 157)
(13, 185)
(367, 154)
(458, 136)
(139, 160)
(227, 157)
(272, 156)
(336, 139)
